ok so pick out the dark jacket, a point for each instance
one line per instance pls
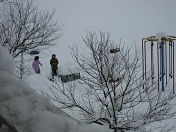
(54, 62)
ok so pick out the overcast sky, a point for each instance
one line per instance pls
(129, 20)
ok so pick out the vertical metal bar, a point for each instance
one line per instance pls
(152, 63)
(21, 66)
(145, 58)
(169, 58)
(158, 66)
(143, 61)
(173, 70)
(171, 62)
(162, 63)
(166, 61)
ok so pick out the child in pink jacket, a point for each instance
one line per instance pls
(35, 65)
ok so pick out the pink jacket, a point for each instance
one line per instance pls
(35, 65)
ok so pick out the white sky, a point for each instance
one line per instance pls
(124, 19)
(129, 20)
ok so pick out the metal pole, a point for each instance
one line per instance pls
(21, 66)
(162, 63)
(152, 62)
(171, 62)
(166, 61)
(145, 58)
(173, 71)
(170, 58)
(143, 61)
(158, 66)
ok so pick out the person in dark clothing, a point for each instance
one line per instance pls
(54, 65)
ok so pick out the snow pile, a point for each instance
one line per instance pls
(68, 68)
(7, 63)
(26, 110)
(159, 35)
(22, 105)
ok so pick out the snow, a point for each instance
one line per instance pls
(159, 35)
(5, 59)
(22, 105)
(68, 68)
(91, 128)
(124, 19)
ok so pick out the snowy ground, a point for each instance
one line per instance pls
(29, 111)
(128, 20)
(41, 83)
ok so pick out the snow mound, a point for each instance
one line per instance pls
(68, 68)
(21, 105)
(159, 35)
(24, 110)
(7, 63)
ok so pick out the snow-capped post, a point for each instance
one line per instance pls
(112, 77)
(162, 59)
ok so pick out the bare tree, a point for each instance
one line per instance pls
(25, 27)
(113, 90)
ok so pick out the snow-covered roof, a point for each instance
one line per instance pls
(68, 68)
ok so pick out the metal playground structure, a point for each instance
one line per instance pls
(158, 58)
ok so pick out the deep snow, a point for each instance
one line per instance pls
(27, 110)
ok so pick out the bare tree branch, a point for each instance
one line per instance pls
(25, 27)
(113, 93)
